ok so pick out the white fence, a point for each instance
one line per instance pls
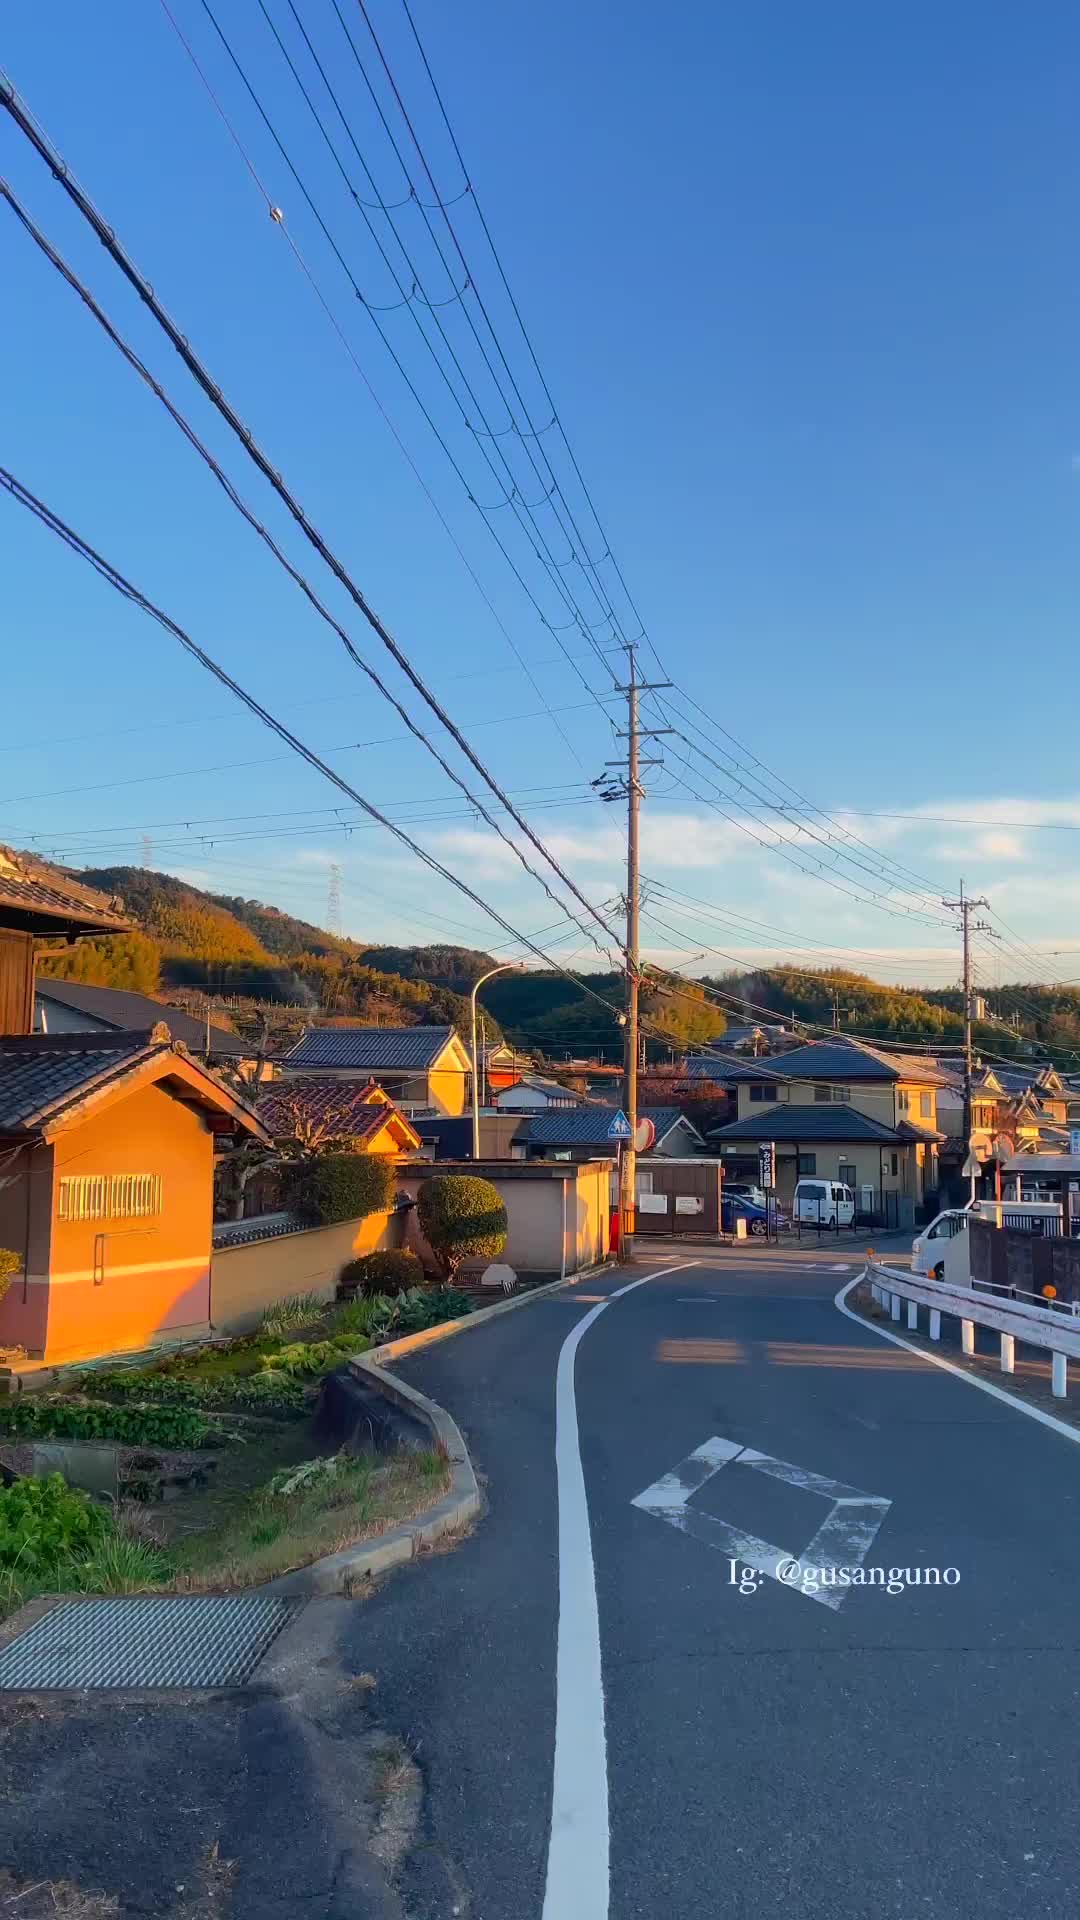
(1051, 1324)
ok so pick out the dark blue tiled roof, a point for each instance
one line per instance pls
(41, 1073)
(369, 1049)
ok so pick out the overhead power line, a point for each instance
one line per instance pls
(521, 510)
(123, 586)
(278, 216)
(61, 173)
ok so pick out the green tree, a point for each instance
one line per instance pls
(462, 1218)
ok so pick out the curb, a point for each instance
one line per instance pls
(346, 1571)
(409, 1342)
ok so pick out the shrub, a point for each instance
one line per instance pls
(134, 1426)
(393, 1270)
(296, 1310)
(9, 1267)
(463, 1219)
(345, 1186)
(43, 1522)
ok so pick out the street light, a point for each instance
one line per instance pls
(510, 967)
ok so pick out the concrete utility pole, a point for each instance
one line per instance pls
(964, 907)
(613, 788)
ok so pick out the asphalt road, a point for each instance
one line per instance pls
(898, 1754)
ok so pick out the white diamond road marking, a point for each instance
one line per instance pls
(843, 1539)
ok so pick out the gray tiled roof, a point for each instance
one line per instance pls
(570, 1127)
(369, 1049)
(848, 1060)
(39, 1074)
(128, 1012)
(833, 1122)
(664, 1118)
(34, 895)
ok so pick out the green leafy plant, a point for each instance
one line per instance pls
(295, 1311)
(9, 1267)
(462, 1218)
(309, 1474)
(429, 1307)
(344, 1186)
(387, 1270)
(44, 1522)
(311, 1356)
(366, 1318)
(137, 1426)
(254, 1392)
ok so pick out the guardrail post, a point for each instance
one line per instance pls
(967, 1336)
(935, 1323)
(1008, 1353)
(913, 1316)
(1059, 1376)
(896, 1306)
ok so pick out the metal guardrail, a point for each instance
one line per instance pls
(1014, 1315)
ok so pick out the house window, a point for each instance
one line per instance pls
(110, 1196)
(807, 1163)
(926, 1106)
(821, 1095)
(763, 1090)
(847, 1174)
(903, 1101)
(895, 1165)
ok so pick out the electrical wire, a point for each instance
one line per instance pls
(522, 514)
(115, 579)
(278, 217)
(247, 514)
(60, 172)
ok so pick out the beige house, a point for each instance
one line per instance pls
(425, 1070)
(841, 1110)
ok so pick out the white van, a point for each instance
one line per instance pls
(827, 1203)
(930, 1250)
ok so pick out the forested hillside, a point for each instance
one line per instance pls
(236, 948)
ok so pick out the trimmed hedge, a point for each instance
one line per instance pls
(390, 1270)
(462, 1218)
(345, 1186)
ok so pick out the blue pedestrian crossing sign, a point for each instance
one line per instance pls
(619, 1128)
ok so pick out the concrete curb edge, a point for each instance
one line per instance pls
(344, 1572)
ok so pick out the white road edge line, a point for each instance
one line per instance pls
(578, 1863)
(936, 1360)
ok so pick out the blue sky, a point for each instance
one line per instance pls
(801, 283)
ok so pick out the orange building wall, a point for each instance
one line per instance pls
(116, 1284)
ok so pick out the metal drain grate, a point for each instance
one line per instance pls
(142, 1641)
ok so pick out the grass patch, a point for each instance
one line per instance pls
(300, 1514)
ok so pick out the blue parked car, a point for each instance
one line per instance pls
(733, 1207)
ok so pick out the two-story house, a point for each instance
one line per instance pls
(425, 1070)
(840, 1109)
